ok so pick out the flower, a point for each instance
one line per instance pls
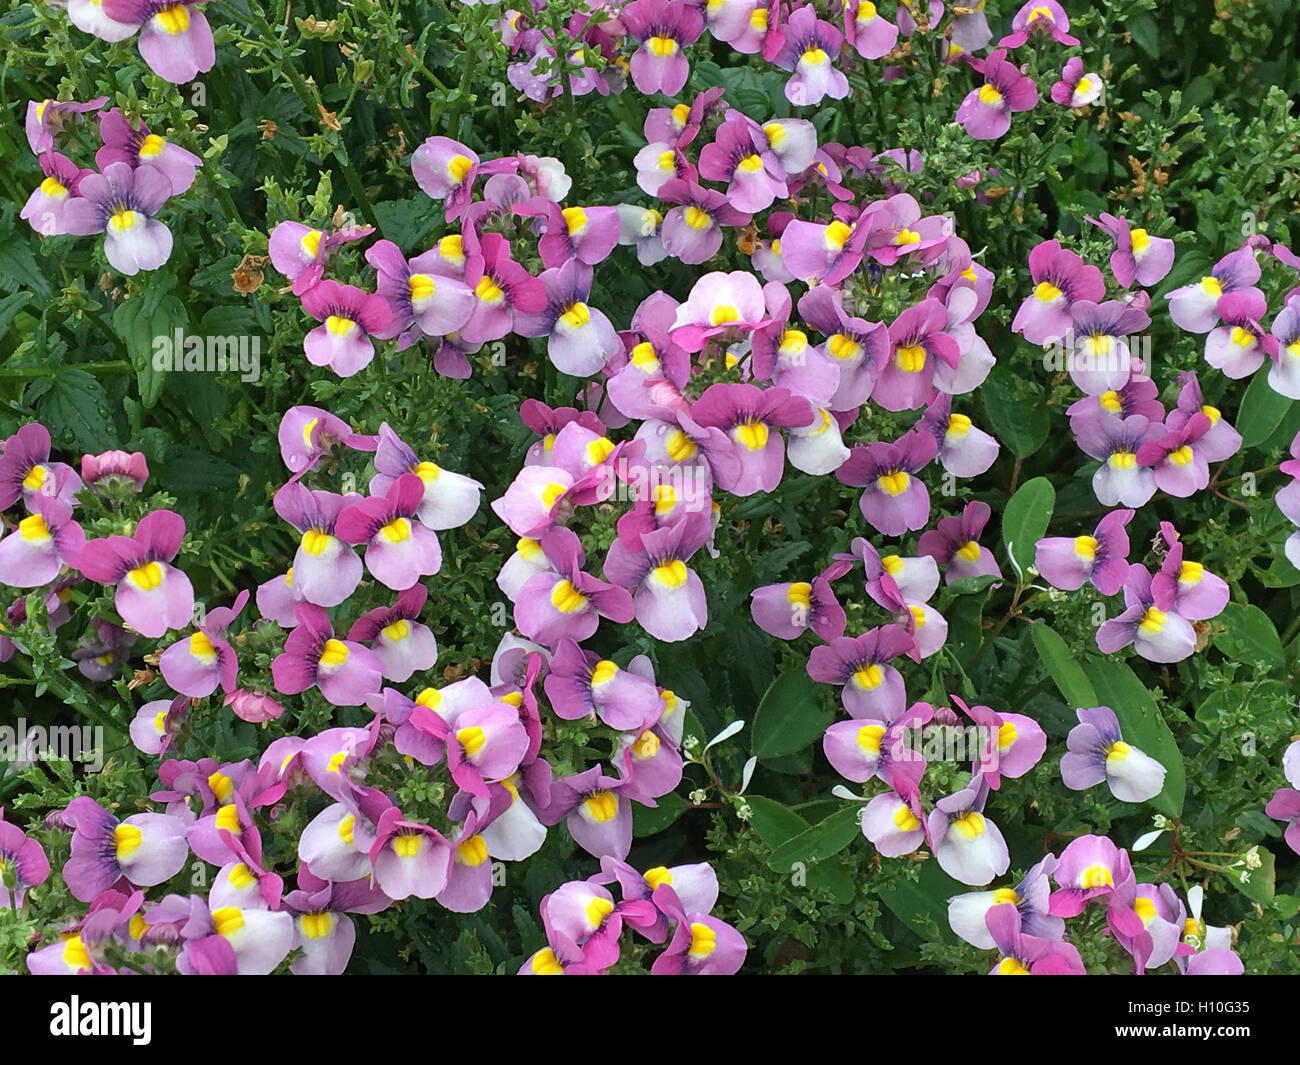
(23, 863)
(152, 595)
(348, 317)
(1137, 255)
(580, 339)
(1060, 278)
(120, 202)
(1039, 18)
(810, 48)
(1068, 562)
(1097, 752)
(1194, 307)
(345, 671)
(196, 665)
(41, 545)
(146, 849)
(445, 169)
(398, 551)
(661, 29)
(895, 499)
(986, 112)
(176, 40)
(954, 544)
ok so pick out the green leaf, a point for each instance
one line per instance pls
(647, 820)
(1261, 883)
(1024, 522)
(1142, 28)
(1018, 419)
(1249, 636)
(792, 714)
(819, 842)
(773, 822)
(1118, 687)
(141, 329)
(1262, 411)
(75, 410)
(1064, 668)
(922, 904)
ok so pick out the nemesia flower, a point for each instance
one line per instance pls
(422, 300)
(964, 450)
(398, 551)
(750, 417)
(445, 170)
(146, 849)
(403, 645)
(565, 601)
(101, 656)
(1149, 622)
(1152, 932)
(580, 339)
(986, 112)
(1240, 346)
(1039, 18)
(668, 595)
(325, 569)
(175, 39)
(156, 724)
(1284, 373)
(1175, 458)
(409, 858)
(23, 863)
(810, 48)
(787, 610)
(639, 227)
(1022, 954)
(45, 118)
(597, 810)
(967, 845)
(152, 595)
(1099, 359)
(919, 344)
(301, 252)
(1139, 395)
(858, 347)
(587, 234)
(1060, 279)
(40, 545)
(345, 671)
(701, 945)
(661, 29)
(871, 34)
(753, 181)
(1137, 255)
(501, 287)
(895, 499)
(692, 230)
(1116, 442)
(197, 664)
(348, 317)
(966, 913)
(88, 16)
(325, 934)
(253, 707)
(581, 683)
(1089, 867)
(112, 469)
(954, 544)
(1068, 561)
(1097, 752)
(121, 203)
(1195, 593)
(1194, 307)
(827, 252)
(861, 750)
(860, 665)
(44, 208)
(895, 821)
(1077, 89)
(306, 434)
(136, 146)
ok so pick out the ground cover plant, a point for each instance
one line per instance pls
(649, 487)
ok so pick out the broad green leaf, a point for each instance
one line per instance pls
(1262, 410)
(775, 824)
(1064, 667)
(819, 842)
(144, 331)
(75, 410)
(1260, 883)
(923, 905)
(1017, 417)
(1249, 635)
(793, 713)
(647, 820)
(1118, 687)
(1024, 522)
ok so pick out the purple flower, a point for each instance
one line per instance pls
(751, 416)
(967, 845)
(596, 809)
(919, 344)
(1090, 867)
(197, 664)
(176, 40)
(501, 287)
(152, 595)
(1180, 468)
(1099, 356)
(701, 945)
(137, 147)
(47, 117)
(423, 300)
(862, 749)
(736, 157)
(1137, 254)
(873, 36)
(1024, 955)
(300, 252)
(810, 48)
(1284, 373)
(580, 339)
(1138, 396)
(1068, 561)
(325, 569)
(986, 112)
(1097, 752)
(964, 450)
(121, 203)
(41, 544)
(394, 633)
(1194, 307)
(146, 849)
(1060, 279)
(1039, 18)
(1116, 442)
(661, 29)
(445, 170)
(668, 595)
(1149, 622)
(399, 551)
(692, 231)
(788, 610)
(954, 544)
(25, 858)
(860, 666)
(1239, 346)
(564, 601)
(409, 858)
(345, 671)
(348, 317)
(581, 683)
(45, 207)
(966, 913)
(895, 499)
(450, 499)
(1222, 441)
(588, 234)
(115, 469)
(1195, 593)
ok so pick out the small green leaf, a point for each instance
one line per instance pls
(1024, 522)
(792, 714)
(1064, 668)
(824, 839)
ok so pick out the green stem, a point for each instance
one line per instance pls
(31, 373)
